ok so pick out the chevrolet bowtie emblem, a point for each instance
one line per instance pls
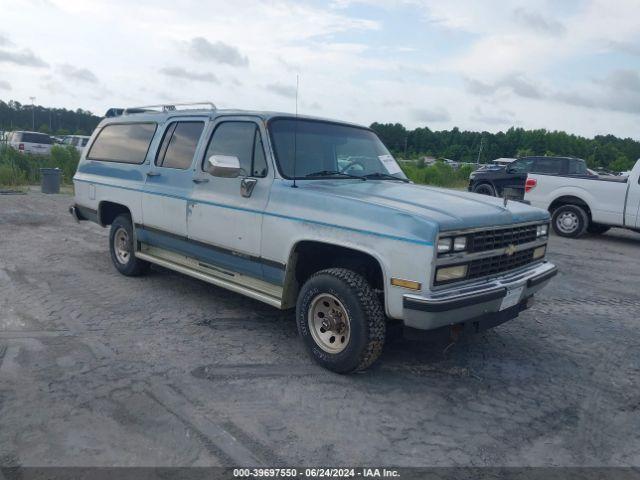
(510, 250)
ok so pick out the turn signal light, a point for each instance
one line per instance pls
(410, 284)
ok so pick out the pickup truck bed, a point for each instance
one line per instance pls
(581, 204)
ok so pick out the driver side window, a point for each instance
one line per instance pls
(521, 166)
(239, 139)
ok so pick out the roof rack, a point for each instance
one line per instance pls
(167, 107)
(116, 112)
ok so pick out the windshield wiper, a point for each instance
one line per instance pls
(386, 176)
(334, 173)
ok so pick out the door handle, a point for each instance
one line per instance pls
(200, 180)
(246, 186)
(153, 174)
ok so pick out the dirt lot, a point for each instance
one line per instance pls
(99, 369)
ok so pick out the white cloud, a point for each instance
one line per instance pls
(77, 74)
(181, 73)
(25, 58)
(219, 52)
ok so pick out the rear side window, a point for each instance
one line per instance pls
(28, 137)
(550, 166)
(126, 143)
(179, 145)
(577, 167)
(242, 140)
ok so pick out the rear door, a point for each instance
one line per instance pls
(169, 180)
(225, 214)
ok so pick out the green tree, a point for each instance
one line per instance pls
(621, 164)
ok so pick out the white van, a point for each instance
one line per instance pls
(78, 141)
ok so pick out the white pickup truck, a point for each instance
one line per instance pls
(586, 204)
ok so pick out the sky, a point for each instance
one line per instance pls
(571, 65)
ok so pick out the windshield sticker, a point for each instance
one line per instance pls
(390, 164)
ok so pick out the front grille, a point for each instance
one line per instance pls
(484, 267)
(500, 238)
(501, 263)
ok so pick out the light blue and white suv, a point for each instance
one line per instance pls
(307, 213)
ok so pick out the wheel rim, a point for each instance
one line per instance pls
(121, 246)
(484, 190)
(567, 222)
(329, 323)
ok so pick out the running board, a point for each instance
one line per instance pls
(265, 297)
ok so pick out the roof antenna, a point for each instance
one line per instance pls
(295, 135)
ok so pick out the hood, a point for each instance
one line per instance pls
(449, 209)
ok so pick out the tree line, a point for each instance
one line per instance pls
(55, 121)
(602, 151)
(605, 151)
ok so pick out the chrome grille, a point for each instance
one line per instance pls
(500, 238)
(501, 263)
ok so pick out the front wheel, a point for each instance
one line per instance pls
(341, 320)
(569, 221)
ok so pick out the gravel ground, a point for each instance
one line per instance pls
(97, 369)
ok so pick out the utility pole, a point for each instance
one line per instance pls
(406, 141)
(33, 114)
(480, 150)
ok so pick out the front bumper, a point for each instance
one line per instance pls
(459, 304)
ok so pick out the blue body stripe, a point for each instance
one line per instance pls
(277, 215)
(212, 256)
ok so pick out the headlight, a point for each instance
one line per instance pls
(459, 244)
(444, 245)
(542, 230)
(447, 274)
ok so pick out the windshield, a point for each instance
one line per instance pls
(324, 149)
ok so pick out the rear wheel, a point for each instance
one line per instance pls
(569, 221)
(485, 189)
(121, 247)
(341, 320)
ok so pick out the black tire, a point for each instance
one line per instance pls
(363, 309)
(485, 189)
(597, 228)
(130, 266)
(580, 221)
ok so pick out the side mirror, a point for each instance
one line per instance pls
(226, 166)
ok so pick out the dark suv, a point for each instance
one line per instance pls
(492, 180)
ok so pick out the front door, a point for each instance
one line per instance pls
(170, 180)
(224, 219)
(515, 176)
